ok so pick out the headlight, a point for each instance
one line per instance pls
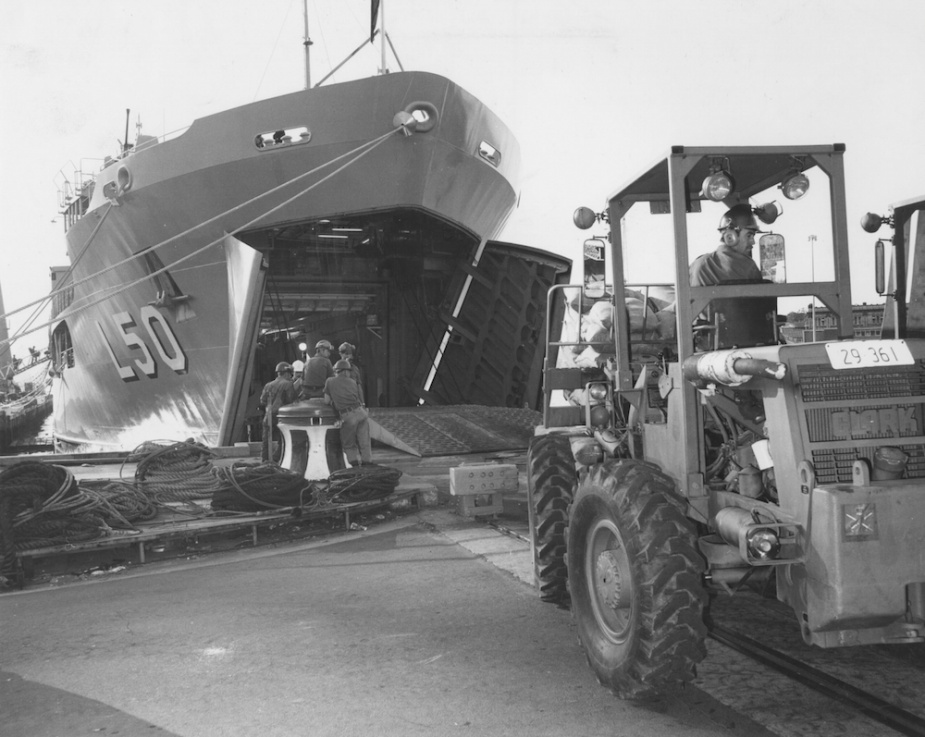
(718, 186)
(598, 392)
(795, 186)
(600, 416)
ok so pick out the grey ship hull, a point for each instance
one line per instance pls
(198, 262)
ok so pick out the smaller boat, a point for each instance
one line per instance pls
(23, 405)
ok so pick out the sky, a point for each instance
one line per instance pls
(595, 91)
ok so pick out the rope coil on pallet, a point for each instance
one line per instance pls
(42, 505)
(175, 472)
(248, 487)
(362, 483)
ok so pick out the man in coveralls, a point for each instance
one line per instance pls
(348, 353)
(732, 259)
(343, 394)
(317, 370)
(276, 394)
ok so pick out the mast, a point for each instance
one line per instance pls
(307, 42)
(384, 69)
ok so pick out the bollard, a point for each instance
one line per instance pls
(312, 446)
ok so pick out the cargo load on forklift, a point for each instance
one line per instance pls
(687, 452)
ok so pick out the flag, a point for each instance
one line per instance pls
(374, 16)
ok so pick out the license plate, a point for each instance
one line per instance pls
(869, 354)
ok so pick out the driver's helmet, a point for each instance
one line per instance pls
(298, 366)
(341, 365)
(282, 367)
(324, 344)
(739, 217)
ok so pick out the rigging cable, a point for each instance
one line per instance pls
(364, 149)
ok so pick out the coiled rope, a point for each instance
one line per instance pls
(248, 487)
(42, 505)
(174, 471)
(362, 483)
(267, 486)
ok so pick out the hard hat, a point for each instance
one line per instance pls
(347, 348)
(298, 366)
(282, 367)
(738, 217)
(324, 344)
(342, 365)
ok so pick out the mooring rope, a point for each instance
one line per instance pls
(42, 504)
(255, 487)
(174, 471)
(108, 293)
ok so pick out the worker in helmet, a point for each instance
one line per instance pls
(276, 394)
(318, 369)
(342, 393)
(732, 260)
(297, 368)
(348, 353)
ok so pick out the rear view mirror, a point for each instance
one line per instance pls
(879, 268)
(771, 253)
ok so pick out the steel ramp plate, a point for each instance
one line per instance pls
(459, 429)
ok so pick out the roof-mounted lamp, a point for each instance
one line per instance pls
(871, 222)
(719, 184)
(585, 217)
(768, 212)
(795, 185)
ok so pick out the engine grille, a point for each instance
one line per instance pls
(821, 383)
(866, 427)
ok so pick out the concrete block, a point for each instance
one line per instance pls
(477, 505)
(488, 478)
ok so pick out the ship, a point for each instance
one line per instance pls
(365, 212)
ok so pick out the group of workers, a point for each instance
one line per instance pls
(337, 384)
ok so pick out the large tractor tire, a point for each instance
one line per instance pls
(636, 579)
(551, 482)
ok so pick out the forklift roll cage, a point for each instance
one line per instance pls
(673, 185)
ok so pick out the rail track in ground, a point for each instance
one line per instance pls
(798, 689)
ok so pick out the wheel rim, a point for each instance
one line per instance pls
(610, 580)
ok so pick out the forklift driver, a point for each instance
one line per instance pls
(732, 259)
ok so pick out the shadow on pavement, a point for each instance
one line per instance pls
(36, 710)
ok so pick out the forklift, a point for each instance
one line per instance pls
(687, 449)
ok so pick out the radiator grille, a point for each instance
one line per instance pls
(900, 415)
(821, 383)
(833, 465)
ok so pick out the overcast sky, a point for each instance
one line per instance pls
(594, 90)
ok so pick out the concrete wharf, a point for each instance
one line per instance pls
(191, 529)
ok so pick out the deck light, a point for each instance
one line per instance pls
(768, 212)
(584, 217)
(719, 184)
(871, 222)
(795, 185)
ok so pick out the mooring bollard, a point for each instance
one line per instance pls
(311, 441)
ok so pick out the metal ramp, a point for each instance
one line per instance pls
(459, 429)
